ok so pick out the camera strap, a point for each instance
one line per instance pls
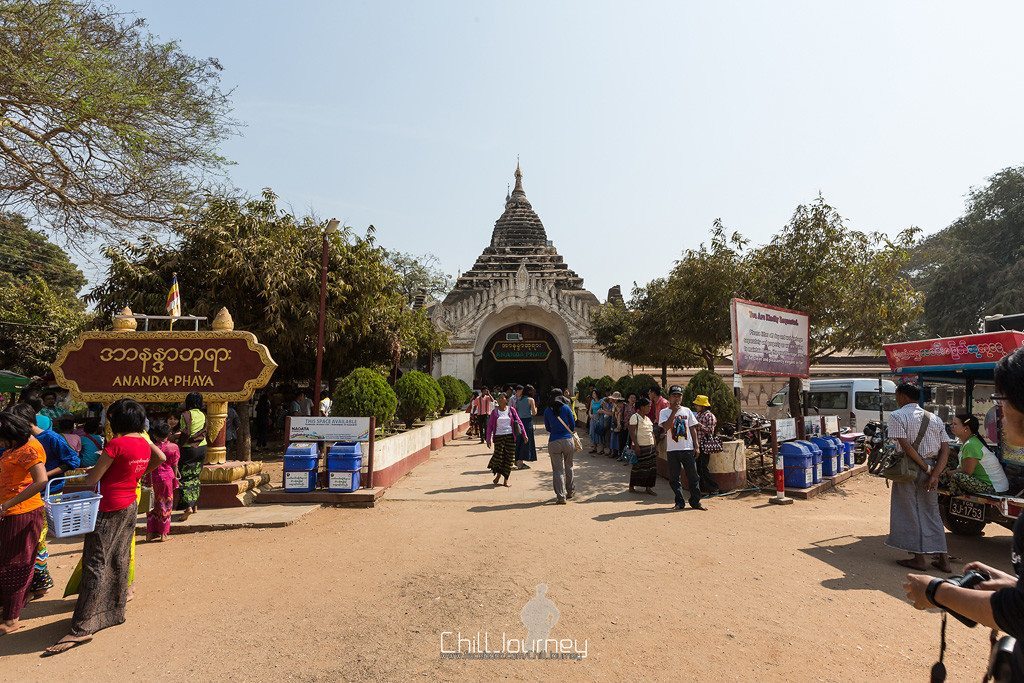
(939, 668)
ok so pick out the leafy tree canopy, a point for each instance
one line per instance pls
(974, 267)
(40, 310)
(103, 128)
(264, 265)
(419, 275)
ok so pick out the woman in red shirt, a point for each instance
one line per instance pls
(22, 477)
(107, 552)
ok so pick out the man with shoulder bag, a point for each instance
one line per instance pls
(914, 521)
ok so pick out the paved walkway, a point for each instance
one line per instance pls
(458, 472)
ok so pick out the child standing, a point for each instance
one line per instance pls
(164, 480)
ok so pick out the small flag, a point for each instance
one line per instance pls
(174, 298)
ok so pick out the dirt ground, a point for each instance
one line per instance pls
(745, 591)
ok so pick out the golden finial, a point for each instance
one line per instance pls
(223, 321)
(124, 322)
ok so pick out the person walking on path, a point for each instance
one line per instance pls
(914, 522)
(22, 477)
(709, 443)
(504, 428)
(641, 432)
(594, 426)
(484, 404)
(658, 404)
(164, 480)
(526, 407)
(106, 554)
(682, 445)
(192, 442)
(560, 423)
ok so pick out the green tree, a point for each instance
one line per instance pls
(699, 289)
(40, 310)
(852, 284)
(417, 396)
(365, 393)
(974, 267)
(640, 333)
(419, 275)
(723, 402)
(103, 128)
(454, 394)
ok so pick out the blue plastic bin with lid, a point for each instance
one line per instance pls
(848, 453)
(829, 455)
(816, 453)
(344, 460)
(301, 462)
(799, 464)
(840, 452)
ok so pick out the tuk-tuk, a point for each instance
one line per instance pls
(968, 361)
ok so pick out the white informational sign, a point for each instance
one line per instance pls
(769, 341)
(812, 426)
(348, 429)
(832, 424)
(296, 480)
(340, 480)
(805, 384)
(785, 430)
(737, 381)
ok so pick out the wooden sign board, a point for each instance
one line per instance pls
(223, 365)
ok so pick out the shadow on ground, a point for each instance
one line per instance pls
(868, 564)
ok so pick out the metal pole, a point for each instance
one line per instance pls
(369, 459)
(320, 329)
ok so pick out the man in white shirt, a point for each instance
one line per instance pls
(325, 405)
(914, 521)
(682, 447)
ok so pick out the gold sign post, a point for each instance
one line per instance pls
(222, 365)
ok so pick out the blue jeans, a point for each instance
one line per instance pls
(677, 461)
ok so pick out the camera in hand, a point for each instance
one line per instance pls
(968, 579)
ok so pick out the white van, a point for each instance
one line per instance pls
(854, 401)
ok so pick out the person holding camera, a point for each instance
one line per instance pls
(998, 600)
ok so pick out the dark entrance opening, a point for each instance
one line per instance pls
(533, 357)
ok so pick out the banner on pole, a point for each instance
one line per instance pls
(769, 341)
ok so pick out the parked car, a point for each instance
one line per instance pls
(853, 401)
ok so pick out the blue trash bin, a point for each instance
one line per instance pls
(798, 462)
(301, 463)
(344, 461)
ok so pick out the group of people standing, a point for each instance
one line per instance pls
(631, 429)
(138, 452)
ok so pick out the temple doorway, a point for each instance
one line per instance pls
(523, 354)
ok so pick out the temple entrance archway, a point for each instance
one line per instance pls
(522, 353)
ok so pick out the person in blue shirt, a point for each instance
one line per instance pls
(60, 458)
(92, 442)
(561, 426)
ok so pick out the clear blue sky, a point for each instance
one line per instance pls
(637, 123)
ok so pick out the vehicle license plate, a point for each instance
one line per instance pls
(967, 509)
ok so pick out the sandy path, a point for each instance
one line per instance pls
(746, 591)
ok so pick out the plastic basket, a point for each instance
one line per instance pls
(71, 514)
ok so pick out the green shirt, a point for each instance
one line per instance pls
(198, 424)
(987, 469)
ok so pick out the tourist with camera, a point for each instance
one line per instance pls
(997, 599)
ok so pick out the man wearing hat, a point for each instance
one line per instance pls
(709, 443)
(682, 446)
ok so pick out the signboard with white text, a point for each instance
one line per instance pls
(769, 341)
(346, 429)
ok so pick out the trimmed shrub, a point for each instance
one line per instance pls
(605, 384)
(364, 393)
(583, 387)
(634, 384)
(418, 396)
(723, 403)
(454, 391)
(467, 391)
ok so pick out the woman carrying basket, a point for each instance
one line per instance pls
(107, 551)
(22, 477)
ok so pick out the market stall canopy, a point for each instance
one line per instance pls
(11, 382)
(972, 355)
